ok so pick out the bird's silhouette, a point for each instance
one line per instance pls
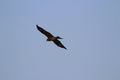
(50, 37)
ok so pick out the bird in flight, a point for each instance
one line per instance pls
(50, 37)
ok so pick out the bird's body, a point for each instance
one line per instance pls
(50, 37)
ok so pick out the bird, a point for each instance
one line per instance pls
(50, 37)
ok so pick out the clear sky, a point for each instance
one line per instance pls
(91, 32)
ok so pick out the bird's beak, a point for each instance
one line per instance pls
(60, 38)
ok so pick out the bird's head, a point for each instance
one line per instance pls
(59, 37)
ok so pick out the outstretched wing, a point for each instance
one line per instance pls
(46, 33)
(58, 43)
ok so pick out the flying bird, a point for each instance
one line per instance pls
(50, 37)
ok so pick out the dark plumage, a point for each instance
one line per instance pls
(58, 43)
(50, 37)
(46, 33)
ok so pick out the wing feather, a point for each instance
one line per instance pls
(59, 44)
(46, 33)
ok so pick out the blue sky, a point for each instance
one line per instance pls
(91, 32)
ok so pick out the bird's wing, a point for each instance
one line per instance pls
(58, 43)
(46, 33)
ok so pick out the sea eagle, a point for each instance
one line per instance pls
(50, 37)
